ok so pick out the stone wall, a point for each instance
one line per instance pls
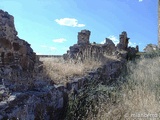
(50, 101)
(86, 50)
(124, 40)
(83, 37)
(13, 50)
(25, 93)
(18, 62)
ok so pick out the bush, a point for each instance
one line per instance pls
(152, 54)
(86, 105)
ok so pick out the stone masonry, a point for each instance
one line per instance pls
(86, 50)
(124, 40)
(26, 94)
(83, 37)
(13, 50)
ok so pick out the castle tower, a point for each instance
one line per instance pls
(137, 48)
(124, 40)
(83, 37)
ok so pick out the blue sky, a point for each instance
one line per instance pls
(51, 26)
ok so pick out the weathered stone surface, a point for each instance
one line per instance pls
(137, 48)
(7, 26)
(85, 50)
(25, 93)
(109, 47)
(11, 47)
(83, 37)
(124, 40)
(46, 104)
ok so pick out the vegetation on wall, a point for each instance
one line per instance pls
(134, 95)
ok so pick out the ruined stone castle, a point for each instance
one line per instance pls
(86, 50)
(27, 94)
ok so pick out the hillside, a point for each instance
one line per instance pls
(134, 96)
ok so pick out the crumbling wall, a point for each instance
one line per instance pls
(13, 50)
(86, 50)
(124, 40)
(26, 95)
(24, 92)
(50, 101)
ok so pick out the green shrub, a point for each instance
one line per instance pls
(90, 97)
(152, 54)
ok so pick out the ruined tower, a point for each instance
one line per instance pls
(123, 40)
(83, 37)
(137, 48)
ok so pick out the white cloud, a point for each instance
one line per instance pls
(132, 44)
(113, 38)
(53, 48)
(140, 0)
(60, 40)
(103, 42)
(72, 22)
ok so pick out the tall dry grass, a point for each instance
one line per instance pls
(135, 97)
(142, 93)
(138, 98)
(61, 71)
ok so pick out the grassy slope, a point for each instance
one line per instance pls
(61, 71)
(136, 98)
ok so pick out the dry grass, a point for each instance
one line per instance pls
(139, 98)
(141, 94)
(61, 71)
(136, 99)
